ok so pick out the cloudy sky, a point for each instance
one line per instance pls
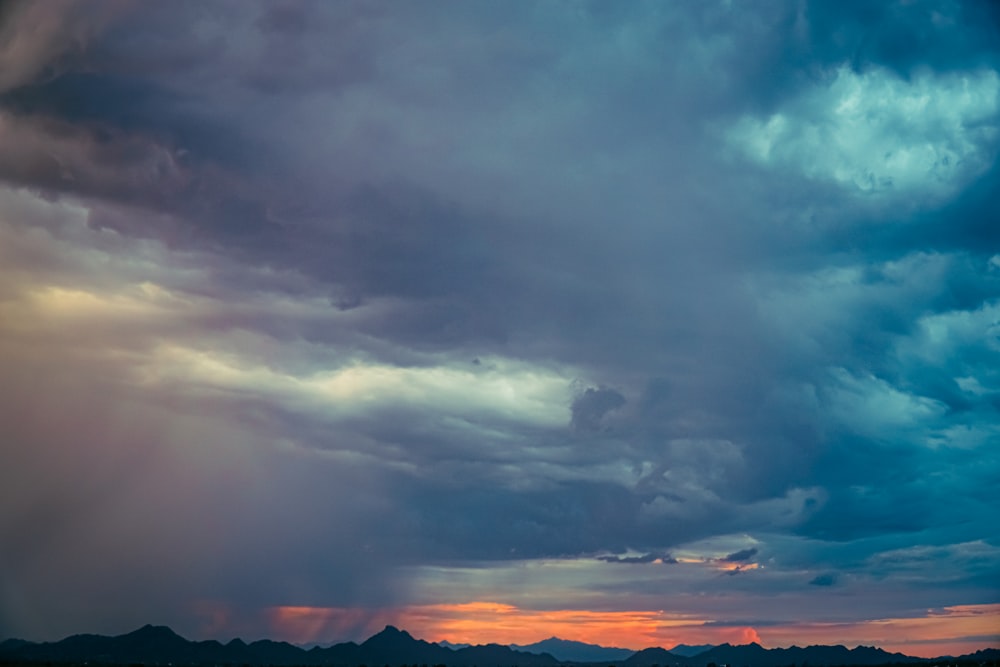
(633, 323)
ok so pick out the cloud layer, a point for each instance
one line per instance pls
(364, 306)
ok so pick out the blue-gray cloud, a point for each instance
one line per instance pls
(824, 580)
(741, 556)
(589, 408)
(641, 560)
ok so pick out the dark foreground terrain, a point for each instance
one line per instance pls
(158, 645)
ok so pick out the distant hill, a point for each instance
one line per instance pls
(690, 651)
(984, 655)
(152, 645)
(495, 655)
(755, 655)
(159, 645)
(657, 656)
(395, 647)
(570, 651)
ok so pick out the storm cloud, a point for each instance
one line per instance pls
(339, 305)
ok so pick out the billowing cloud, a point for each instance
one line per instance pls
(875, 132)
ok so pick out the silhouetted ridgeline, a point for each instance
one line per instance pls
(151, 645)
(161, 646)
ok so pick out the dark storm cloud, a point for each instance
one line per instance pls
(116, 102)
(645, 558)
(817, 37)
(590, 407)
(824, 580)
(740, 556)
(302, 221)
(904, 36)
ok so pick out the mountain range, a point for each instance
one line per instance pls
(570, 651)
(159, 645)
(690, 651)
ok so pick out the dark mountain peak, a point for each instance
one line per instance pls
(752, 646)
(390, 636)
(653, 656)
(983, 654)
(690, 651)
(151, 636)
(558, 641)
(150, 632)
(754, 655)
(568, 650)
(270, 643)
(498, 654)
(236, 643)
(393, 646)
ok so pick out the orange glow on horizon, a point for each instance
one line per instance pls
(737, 567)
(477, 622)
(939, 632)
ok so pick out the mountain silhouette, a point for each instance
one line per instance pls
(746, 655)
(690, 651)
(755, 655)
(153, 645)
(393, 646)
(656, 656)
(570, 651)
(495, 655)
(159, 645)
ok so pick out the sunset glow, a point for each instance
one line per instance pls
(489, 622)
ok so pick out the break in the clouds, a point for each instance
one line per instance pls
(491, 317)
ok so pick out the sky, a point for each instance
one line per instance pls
(635, 323)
